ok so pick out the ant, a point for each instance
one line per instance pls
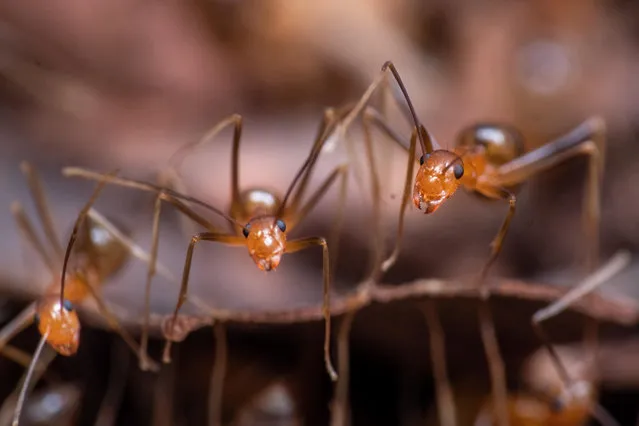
(489, 160)
(560, 400)
(102, 251)
(261, 219)
(55, 315)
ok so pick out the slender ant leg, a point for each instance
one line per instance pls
(301, 244)
(340, 408)
(205, 236)
(218, 374)
(445, 400)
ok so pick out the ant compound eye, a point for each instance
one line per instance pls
(67, 305)
(280, 224)
(246, 230)
(421, 160)
(458, 170)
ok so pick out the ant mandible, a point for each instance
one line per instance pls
(261, 220)
(488, 160)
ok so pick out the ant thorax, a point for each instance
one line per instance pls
(266, 241)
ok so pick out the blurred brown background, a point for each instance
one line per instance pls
(124, 83)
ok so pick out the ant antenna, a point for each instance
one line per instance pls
(27, 379)
(312, 157)
(76, 227)
(389, 65)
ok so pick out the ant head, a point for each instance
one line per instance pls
(61, 324)
(502, 143)
(266, 241)
(437, 179)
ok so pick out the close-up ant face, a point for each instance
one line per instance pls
(266, 241)
(437, 179)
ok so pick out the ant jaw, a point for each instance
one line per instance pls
(427, 206)
(269, 264)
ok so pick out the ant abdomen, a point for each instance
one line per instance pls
(60, 323)
(501, 143)
(105, 253)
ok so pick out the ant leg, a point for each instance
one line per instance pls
(115, 325)
(16, 325)
(377, 234)
(218, 374)
(486, 323)
(445, 400)
(171, 177)
(295, 217)
(165, 193)
(29, 235)
(495, 361)
(390, 261)
(155, 233)
(129, 244)
(205, 236)
(586, 139)
(35, 186)
(305, 243)
(497, 243)
(340, 410)
(16, 355)
(113, 397)
(323, 133)
(617, 263)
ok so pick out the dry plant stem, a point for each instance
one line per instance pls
(445, 400)
(116, 387)
(615, 265)
(218, 375)
(340, 415)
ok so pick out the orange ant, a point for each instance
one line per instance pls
(102, 251)
(261, 220)
(488, 160)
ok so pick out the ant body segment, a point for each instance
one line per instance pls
(261, 220)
